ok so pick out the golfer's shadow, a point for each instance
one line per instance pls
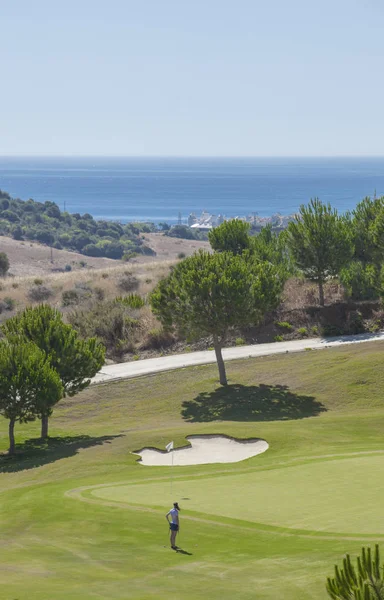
(181, 551)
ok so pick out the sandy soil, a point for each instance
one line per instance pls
(31, 259)
(203, 450)
(167, 248)
(27, 258)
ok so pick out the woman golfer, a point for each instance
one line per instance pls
(174, 525)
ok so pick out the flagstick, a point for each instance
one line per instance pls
(172, 475)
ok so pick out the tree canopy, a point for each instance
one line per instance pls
(75, 360)
(208, 294)
(320, 242)
(231, 236)
(29, 387)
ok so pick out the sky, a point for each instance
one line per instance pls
(192, 78)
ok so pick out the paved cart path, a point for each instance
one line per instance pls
(178, 361)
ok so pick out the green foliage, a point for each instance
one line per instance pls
(320, 242)
(315, 330)
(9, 302)
(361, 280)
(366, 226)
(4, 264)
(158, 338)
(240, 341)
(181, 231)
(75, 360)
(45, 223)
(28, 385)
(278, 338)
(67, 268)
(131, 300)
(70, 297)
(363, 582)
(284, 325)
(181, 255)
(231, 236)
(302, 331)
(208, 294)
(272, 247)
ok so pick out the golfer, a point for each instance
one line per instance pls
(174, 525)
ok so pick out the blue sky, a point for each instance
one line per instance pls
(192, 77)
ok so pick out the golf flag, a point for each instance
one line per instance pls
(169, 446)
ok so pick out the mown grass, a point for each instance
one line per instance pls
(241, 538)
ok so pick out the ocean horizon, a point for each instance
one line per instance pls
(158, 189)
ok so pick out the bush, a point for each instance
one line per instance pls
(181, 255)
(40, 293)
(362, 282)
(278, 338)
(128, 283)
(68, 268)
(70, 297)
(132, 300)
(99, 293)
(284, 325)
(302, 331)
(128, 256)
(240, 341)
(158, 338)
(15, 285)
(38, 281)
(4, 264)
(82, 263)
(105, 275)
(315, 330)
(355, 322)
(17, 233)
(9, 302)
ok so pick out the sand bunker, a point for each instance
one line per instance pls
(204, 449)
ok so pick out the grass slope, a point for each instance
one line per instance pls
(269, 527)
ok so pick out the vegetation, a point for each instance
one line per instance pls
(4, 264)
(208, 294)
(320, 243)
(231, 236)
(75, 360)
(72, 507)
(29, 387)
(365, 582)
(47, 224)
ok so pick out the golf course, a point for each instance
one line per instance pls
(81, 518)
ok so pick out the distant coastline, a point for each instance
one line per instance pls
(159, 189)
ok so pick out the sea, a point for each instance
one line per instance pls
(169, 189)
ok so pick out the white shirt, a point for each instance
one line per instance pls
(175, 515)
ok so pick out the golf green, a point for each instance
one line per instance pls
(319, 496)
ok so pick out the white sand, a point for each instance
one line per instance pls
(204, 449)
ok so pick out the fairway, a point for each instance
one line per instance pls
(82, 519)
(319, 496)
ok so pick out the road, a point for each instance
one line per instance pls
(178, 361)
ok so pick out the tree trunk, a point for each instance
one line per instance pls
(321, 292)
(11, 431)
(220, 361)
(44, 427)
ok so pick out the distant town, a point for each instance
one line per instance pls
(207, 221)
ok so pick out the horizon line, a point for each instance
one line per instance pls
(194, 156)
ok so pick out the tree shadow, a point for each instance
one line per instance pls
(251, 403)
(36, 452)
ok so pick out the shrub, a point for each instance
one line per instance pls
(284, 325)
(128, 256)
(39, 293)
(132, 300)
(4, 264)
(362, 282)
(278, 338)
(128, 283)
(330, 330)
(315, 330)
(9, 302)
(82, 263)
(355, 322)
(15, 285)
(181, 255)
(302, 331)
(68, 268)
(38, 281)
(99, 293)
(240, 341)
(148, 281)
(105, 275)
(158, 338)
(70, 297)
